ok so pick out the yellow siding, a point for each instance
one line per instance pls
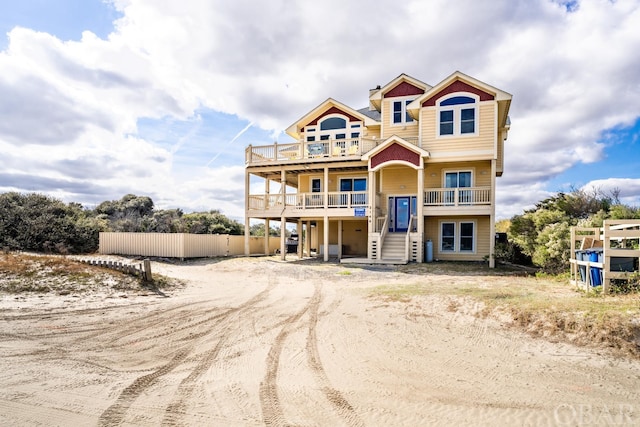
(304, 181)
(438, 169)
(409, 130)
(482, 241)
(372, 133)
(354, 237)
(500, 162)
(394, 178)
(482, 142)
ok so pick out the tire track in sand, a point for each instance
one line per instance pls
(341, 405)
(178, 406)
(272, 412)
(114, 414)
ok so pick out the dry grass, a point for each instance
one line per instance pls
(543, 306)
(31, 273)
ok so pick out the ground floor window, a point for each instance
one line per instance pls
(457, 236)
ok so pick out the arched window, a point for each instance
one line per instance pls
(333, 123)
(333, 127)
(457, 115)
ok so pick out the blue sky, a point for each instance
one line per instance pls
(66, 19)
(104, 98)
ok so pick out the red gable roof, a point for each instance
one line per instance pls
(404, 89)
(395, 151)
(458, 86)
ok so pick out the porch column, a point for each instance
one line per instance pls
(247, 227)
(339, 239)
(372, 202)
(492, 217)
(326, 187)
(283, 238)
(266, 236)
(420, 201)
(326, 238)
(307, 238)
(267, 193)
(283, 220)
(373, 218)
(299, 230)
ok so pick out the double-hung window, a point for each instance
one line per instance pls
(457, 116)
(448, 237)
(400, 113)
(457, 236)
(466, 236)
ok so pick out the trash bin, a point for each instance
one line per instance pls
(594, 255)
(580, 256)
(292, 244)
(428, 251)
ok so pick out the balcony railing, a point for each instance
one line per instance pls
(348, 199)
(303, 150)
(465, 196)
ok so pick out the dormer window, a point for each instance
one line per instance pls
(400, 113)
(457, 116)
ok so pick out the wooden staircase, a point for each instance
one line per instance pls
(394, 250)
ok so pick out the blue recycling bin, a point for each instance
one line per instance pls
(581, 268)
(594, 255)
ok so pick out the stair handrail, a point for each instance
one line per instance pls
(383, 234)
(407, 239)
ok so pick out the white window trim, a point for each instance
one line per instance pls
(457, 113)
(446, 171)
(314, 130)
(473, 237)
(352, 177)
(403, 102)
(457, 235)
(441, 237)
(318, 177)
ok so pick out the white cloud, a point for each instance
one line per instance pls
(573, 76)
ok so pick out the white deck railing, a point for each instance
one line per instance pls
(465, 196)
(303, 150)
(343, 199)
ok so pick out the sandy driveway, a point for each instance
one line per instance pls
(255, 342)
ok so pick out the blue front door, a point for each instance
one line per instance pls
(402, 214)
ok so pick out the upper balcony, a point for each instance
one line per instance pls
(437, 201)
(316, 151)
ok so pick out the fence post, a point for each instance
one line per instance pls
(147, 271)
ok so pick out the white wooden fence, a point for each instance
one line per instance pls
(181, 245)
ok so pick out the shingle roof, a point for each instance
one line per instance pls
(374, 114)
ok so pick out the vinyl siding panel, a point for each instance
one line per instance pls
(409, 130)
(393, 178)
(438, 169)
(304, 181)
(354, 237)
(500, 162)
(482, 237)
(482, 142)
